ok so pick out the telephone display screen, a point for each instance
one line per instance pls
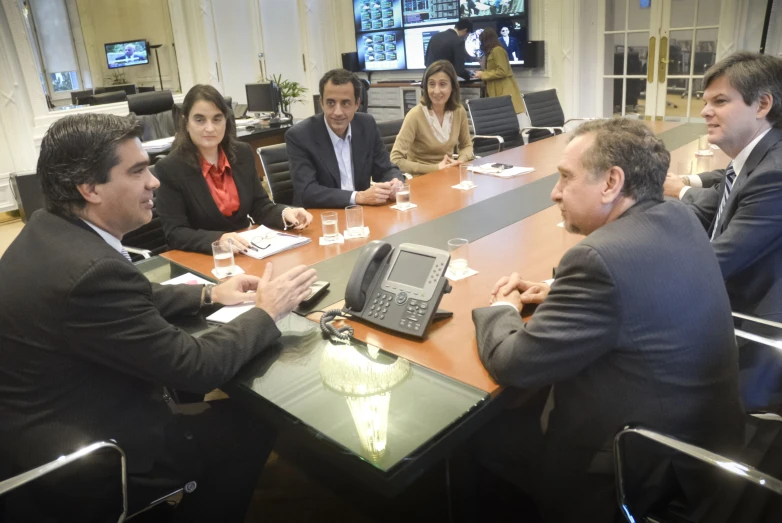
(411, 269)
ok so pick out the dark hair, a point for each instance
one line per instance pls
(184, 145)
(463, 24)
(489, 40)
(340, 77)
(441, 66)
(80, 149)
(631, 145)
(752, 75)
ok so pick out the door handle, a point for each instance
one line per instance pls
(663, 58)
(650, 60)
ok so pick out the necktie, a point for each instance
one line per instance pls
(730, 177)
(126, 255)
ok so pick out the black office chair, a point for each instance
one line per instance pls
(154, 111)
(316, 103)
(109, 97)
(494, 123)
(145, 89)
(388, 132)
(146, 241)
(748, 489)
(276, 165)
(545, 115)
(80, 95)
(363, 96)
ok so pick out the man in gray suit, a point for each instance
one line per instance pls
(743, 213)
(613, 335)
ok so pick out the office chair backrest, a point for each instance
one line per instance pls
(388, 132)
(83, 94)
(151, 102)
(494, 117)
(149, 237)
(277, 167)
(109, 97)
(316, 103)
(145, 89)
(544, 110)
(363, 96)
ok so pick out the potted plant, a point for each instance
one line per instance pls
(291, 92)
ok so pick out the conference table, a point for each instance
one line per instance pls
(512, 226)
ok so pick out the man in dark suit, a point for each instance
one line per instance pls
(615, 335)
(510, 44)
(334, 155)
(87, 354)
(743, 213)
(449, 45)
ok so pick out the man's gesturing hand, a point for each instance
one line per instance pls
(279, 296)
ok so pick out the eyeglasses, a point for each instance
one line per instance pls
(263, 241)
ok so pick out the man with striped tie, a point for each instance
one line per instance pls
(743, 213)
(87, 353)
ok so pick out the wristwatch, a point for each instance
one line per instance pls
(685, 180)
(206, 295)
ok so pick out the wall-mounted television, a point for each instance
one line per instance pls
(127, 54)
(487, 9)
(428, 12)
(512, 34)
(377, 15)
(416, 42)
(381, 50)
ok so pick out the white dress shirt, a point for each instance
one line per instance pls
(110, 239)
(343, 150)
(738, 162)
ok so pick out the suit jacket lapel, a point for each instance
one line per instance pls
(358, 150)
(196, 183)
(755, 157)
(328, 156)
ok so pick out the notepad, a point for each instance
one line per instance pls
(186, 279)
(229, 313)
(268, 242)
(158, 146)
(502, 173)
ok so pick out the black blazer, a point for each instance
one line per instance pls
(749, 242)
(190, 217)
(447, 45)
(85, 348)
(624, 338)
(314, 167)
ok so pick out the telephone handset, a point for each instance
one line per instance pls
(398, 289)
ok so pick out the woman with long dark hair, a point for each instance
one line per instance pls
(498, 75)
(209, 188)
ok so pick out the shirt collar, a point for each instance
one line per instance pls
(336, 139)
(221, 167)
(743, 156)
(115, 243)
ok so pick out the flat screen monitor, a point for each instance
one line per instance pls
(512, 34)
(416, 42)
(489, 9)
(377, 15)
(381, 51)
(127, 54)
(262, 98)
(428, 12)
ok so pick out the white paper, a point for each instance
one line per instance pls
(349, 236)
(464, 274)
(463, 188)
(227, 314)
(277, 241)
(336, 241)
(407, 207)
(549, 282)
(561, 224)
(237, 270)
(186, 279)
(157, 146)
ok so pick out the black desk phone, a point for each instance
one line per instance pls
(398, 289)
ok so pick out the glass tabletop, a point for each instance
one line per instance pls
(377, 406)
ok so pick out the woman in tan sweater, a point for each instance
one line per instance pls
(498, 74)
(434, 127)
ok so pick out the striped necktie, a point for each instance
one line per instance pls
(730, 177)
(126, 255)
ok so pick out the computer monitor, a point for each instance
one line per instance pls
(262, 98)
(381, 51)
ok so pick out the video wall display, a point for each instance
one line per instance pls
(394, 34)
(381, 51)
(427, 12)
(512, 34)
(491, 8)
(377, 15)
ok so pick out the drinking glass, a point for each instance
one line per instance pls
(223, 254)
(354, 217)
(703, 143)
(403, 196)
(466, 177)
(458, 262)
(330, 225)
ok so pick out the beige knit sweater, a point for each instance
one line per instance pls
(417, 151)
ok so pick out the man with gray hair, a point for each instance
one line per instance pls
(614, 336)
(742, 214)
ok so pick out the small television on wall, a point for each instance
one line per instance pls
(490, 9)
(127, 54)
(512, 34)
(381, 51)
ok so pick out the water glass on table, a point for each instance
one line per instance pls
(330, 225)
(354, 218)
(458, 263)
(466, 177)
(223, 254)
(403, 196)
